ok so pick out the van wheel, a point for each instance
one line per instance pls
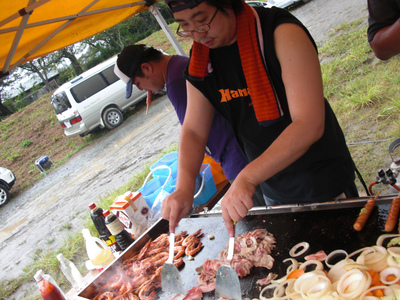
(4, 195)
(112, 117)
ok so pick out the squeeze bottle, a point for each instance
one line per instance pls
(98, 252)
(49, 290)
(96, 213)
(71, 272)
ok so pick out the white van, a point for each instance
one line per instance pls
(95, 98)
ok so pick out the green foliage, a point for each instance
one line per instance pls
(26, 143)
(65, 75)
(349, 66)
(13, 157)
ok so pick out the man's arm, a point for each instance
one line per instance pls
(192, 142)
(302, 78)
(386, 42)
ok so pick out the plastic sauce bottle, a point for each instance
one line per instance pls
(96, 213)
(71, 272)
(47, 287)
(123, 237)
(98, 252)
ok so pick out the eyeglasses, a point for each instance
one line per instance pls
(199, 29)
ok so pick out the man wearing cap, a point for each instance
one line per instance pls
(259, 68)
(150, 69)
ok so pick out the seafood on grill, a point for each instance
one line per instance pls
(139, 277)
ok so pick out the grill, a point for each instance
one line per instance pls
(325, 226)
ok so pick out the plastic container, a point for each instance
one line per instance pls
(97, 250)
(71, 272)
(207, 187)
(151, 189)
(167, 160)
(96, 213)
(48, 288)
(123, 237)
(216, 169)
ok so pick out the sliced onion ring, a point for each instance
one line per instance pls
(394, 251)
(332, 254)
(390, 271)
(317, 263)
(294, 251)
(293, 266)
(387, 291)
(383, 237)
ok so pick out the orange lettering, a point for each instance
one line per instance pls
(243, 93)
(225, 95)
(234, 94)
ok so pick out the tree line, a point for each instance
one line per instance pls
(83, 55)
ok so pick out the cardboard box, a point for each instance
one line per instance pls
(132, 210)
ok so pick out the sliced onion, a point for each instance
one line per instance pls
(290, 291)
(332, 254)
(391, 261)
(293, 266)
(266, 288)
(387, 290)
(390, 271)
(353, 283)
(338, 270)
(312, 285)
(358, 251)
(317, 263)
(294, 251)
(358, 266)
(383, 237)
(374, 257)
(285, 289)
(394, 251)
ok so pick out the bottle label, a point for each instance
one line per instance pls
(115, 227)
(112, 243)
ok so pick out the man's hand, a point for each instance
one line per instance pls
(175, 207)
(236, 203)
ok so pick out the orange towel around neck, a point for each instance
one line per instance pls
(266, 105)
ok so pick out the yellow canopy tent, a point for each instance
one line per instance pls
(30, 28)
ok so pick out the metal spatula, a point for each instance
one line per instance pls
(227, 281)
(170, 278)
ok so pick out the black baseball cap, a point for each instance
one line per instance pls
(127, 64)
(184, 4)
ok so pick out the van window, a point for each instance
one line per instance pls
(94, 84)
(109, 75)
(60, 102)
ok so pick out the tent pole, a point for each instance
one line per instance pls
(156, 13)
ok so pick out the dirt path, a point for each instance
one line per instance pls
(37, 217)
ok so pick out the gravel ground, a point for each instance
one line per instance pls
(36, 217)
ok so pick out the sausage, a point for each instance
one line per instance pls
(393, 215)
(365, 213)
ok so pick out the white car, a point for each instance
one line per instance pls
(258, 3)
(285, 3)
(7, 180)
(277, 3)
